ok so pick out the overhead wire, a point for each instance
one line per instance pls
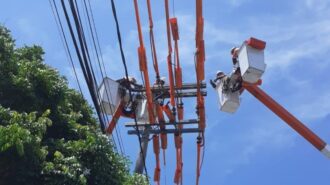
(113, 6)
(98, 56)
(97, 37)
(169, 56)
(89, 14)
(152, 42)
(81, 33)
(87, 67)
(103, 66)
(89, 35)
(84, 46)
(65, 43)
(77, 14)
(171, 25)
(82, 58)
(156, 138)
(83, 67)
(86, 55)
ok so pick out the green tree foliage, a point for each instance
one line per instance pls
(48, 134)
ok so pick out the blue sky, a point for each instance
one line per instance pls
(252, 146)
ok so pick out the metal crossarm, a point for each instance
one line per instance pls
(169, 131)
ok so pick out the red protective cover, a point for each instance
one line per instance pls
(256, 43)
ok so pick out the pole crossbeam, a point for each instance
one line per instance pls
(169, 131)
(183, 122)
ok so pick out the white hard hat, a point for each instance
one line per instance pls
(220, 74)
(131, 79)
(163, 78)
(233, 50)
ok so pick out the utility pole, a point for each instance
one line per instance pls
(140, 161)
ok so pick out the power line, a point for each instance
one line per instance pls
(126, 74)
(85, 52)
(64, 42)
(98, 53)
(82, 59)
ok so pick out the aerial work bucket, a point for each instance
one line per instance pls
(228, 101)
(251, 60)
(109, 96)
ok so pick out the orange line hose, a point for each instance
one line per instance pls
(199, 146)
(143, 65)
(169, 57)
(156, 147)
(152, 41)
(200, 74)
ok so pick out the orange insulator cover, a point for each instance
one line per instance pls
(178, 141)
(200, 28)
(163, 138)
(177, 176)
(157, 175)
(178, 79)
(200, 61)
(161, 121)
(174, 28)
(142, 58)
(155, 140)
(180, 115)
(202, 124)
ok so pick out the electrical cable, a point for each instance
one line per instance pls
(82, 60)
(84, 72)
(114, 12)
(86, 54)
(65, 43)
(84, 49)
(89, 24)
(203, 153)
(103, 66)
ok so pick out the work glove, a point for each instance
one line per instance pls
(212, 84)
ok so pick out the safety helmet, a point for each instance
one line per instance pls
(131, 79)
(233, 50)
(220, 74)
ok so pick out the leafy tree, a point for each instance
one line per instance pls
(48, 134)
(21, 150)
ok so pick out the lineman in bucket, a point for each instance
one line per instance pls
(233, 82)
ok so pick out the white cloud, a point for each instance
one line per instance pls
(317, 5)
(303, 41)
(241, 148)
(237, 3)
(319, 107)
(268, 136)
(31, 32)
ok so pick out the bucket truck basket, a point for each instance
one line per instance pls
(251, 60)
(110, 97)
(228, 101)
